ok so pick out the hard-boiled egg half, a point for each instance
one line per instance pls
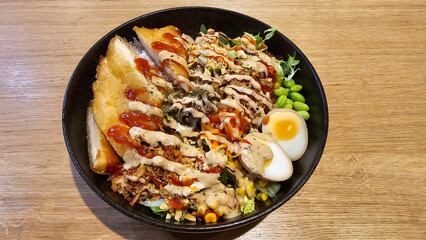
(289, 128)
(263, 156)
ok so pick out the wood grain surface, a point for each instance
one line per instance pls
(369, 184)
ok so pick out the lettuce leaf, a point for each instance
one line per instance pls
(247, 206)
(271, 188)
(286, 68)
(160, 212)
(203, 29)
(270, 32)
(256, 38)
(228, 179)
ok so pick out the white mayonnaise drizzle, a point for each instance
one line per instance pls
(146, 109)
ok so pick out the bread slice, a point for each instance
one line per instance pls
(168, 53)
(102, 156)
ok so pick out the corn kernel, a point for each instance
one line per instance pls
(201, 209)
(231, 165)
(262, 182)
(238, 165)
(251, 190)
(262, 196)
(241, 191)
(219, 212)
(240, 182)
(210, 217)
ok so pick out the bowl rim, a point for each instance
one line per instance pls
(212, 227)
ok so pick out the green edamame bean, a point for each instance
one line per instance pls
(280, 91)
(305, 115)
(281, 101)
(297, 97)
(288, 84)
(289, 101)
(299, 106)
(288, 106)
(296, 88)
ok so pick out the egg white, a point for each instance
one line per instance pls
(281, 167)
(296, 146)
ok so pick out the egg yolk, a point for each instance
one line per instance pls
(285, 129)
(267, 163)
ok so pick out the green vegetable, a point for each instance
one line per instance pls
(256, 38)
(305, 115)
(289, 83)
(235, 42)
(288, 106)
(297, 97)
(183, 216)
(241, 54)
(280, 91)
(288, 66)
(270, 32)
(299, 106)
(160, 212)
(178, 136)
(202, 59)
(281, 101)
(289, 101)
(232, 54)
(280, 73)
(228, 179)
(271, 188)
(247, 206)
(206, 147)
(218, 70)
(210, 69)
(203, 29)
(296, 88)
(223, 40)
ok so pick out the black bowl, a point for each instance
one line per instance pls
(188, 20)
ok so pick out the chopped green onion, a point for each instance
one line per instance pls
(183, 216)
(202, 60)
(241, 54)
(232, 54)
(223, 40)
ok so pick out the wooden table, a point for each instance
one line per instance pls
(370, 182)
